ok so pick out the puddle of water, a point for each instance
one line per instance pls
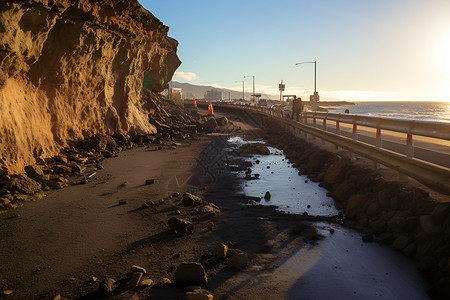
(341, 264)
(290, 192)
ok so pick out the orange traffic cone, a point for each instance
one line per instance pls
(210, 109)
(195, 104)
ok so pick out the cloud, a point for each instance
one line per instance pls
(185, 75)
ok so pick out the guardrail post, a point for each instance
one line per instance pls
(325, 129)
(338, 132)
(355, 137)
(314, 125)
(378, 144)
(409, 154)
(409, 146)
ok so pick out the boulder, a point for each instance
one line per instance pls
(238, 261)
(209, 209)
(190, 273)
(33, 171)
(221, 251)
(209, 126)
(198, 294)
(428, 225)
(222, 121)
(336, 171)
(180, 225)
(107, 286)
(355, 204)
(23, 185)
(190, 200)
(75, 168)
(62, 169)
(61, 158)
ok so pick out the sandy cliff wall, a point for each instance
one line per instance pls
(71, 69)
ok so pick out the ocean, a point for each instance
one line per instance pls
(423, 110)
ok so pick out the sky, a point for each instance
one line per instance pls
(366, 50)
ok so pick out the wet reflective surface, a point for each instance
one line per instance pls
(290, 192)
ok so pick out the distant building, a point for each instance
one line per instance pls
(189, 95)
(213, 95)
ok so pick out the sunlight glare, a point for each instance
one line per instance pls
(443, 53)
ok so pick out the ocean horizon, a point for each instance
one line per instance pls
(410, 110)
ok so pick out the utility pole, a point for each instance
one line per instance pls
(253, 80)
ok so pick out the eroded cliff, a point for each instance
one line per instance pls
(73, 69)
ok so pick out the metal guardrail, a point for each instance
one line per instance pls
(438, 130)
(433, 175)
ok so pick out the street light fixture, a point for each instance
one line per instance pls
(253, 80)
(315, 97)
(243, 91)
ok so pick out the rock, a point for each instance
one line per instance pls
(209, 126)
(180, 225)
(190, 273)
(254, 148)
(165, 281)
(222, 121)
(428, 225)
(238, 261)
(107, 286)
(198, 294)
(57, 297)
(62, 169)
(61, 159)
(122, 202)
(267, 196)
(440, 212)
(221, 251)
(145, 283)
(335, 173)
(33, 171)
(190, 200)
(149, 181)
(4, 201)
(400, 243)
(209, 210)
(355, 204)
(75, 168)
(23, 184)
(7, 292)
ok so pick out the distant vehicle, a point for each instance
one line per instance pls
(262, 102)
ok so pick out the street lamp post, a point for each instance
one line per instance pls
(243, 90)
(315, 98)
(315, 72)
(253, 80)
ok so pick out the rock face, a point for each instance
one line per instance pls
(73, 69)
